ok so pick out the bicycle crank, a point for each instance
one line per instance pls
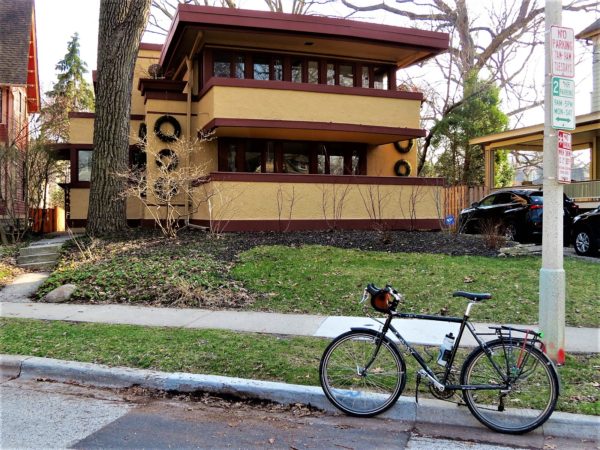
(445, 394)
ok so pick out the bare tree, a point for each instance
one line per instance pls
(171, 187)
(163, 11)
(120, 30)
(494, 41)
(282, 198)
(333, 199)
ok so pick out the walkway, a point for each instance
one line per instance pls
(584, 340)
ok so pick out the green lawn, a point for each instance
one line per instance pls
(325, 280)
(287, 359)
(317, 280)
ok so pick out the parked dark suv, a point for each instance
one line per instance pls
(586, 232)
(517, 213)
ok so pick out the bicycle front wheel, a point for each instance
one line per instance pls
(355, 386)
(521, 391)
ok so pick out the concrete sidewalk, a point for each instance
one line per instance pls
(578, 340)
(427, 411)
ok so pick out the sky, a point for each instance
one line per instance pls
(58, 20)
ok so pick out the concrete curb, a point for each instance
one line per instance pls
(427, 411)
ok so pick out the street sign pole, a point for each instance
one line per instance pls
(552, 274)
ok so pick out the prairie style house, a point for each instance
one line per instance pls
(306, 120)
(19, 97)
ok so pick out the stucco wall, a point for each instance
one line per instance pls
(233, 200)
(271, 104)
(79, 205)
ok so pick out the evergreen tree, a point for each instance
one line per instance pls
(479, 114)
(71, 84)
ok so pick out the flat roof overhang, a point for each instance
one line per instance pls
(339, 38)
(532, 138)
(309, 131)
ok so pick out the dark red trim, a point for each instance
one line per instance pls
(170, 113)
(205, 17)
(315, 126)
(295, 225)
(319, 224)
(324, 179)
(91, 115)
(149, 46)
(150, 84)
(306, 87)
(165, 96)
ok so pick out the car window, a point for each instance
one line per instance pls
(537, 199)
(488, 201)
(503, 198)
(515, 198)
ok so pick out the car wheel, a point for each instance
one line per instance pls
(583, 243)
(510, 231)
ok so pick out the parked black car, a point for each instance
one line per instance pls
(517, 213)
(586, 232)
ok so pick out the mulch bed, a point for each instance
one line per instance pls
(229, 245)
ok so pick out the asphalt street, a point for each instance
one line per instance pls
(39, 414)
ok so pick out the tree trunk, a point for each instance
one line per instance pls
(120, 30)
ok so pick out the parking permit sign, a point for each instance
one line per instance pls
(565, 157)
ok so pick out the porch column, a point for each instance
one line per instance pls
(488, 153)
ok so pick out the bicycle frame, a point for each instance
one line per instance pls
(427, 371)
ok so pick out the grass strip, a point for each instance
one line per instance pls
(246, 355)
(327, 280)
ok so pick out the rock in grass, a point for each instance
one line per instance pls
(60, 294)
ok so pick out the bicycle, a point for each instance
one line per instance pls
(508, 383)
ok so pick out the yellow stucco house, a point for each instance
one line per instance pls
(306, 121)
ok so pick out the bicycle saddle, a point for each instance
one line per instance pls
(473, 296)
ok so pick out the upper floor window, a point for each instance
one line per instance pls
(228, 65)
(299, 69)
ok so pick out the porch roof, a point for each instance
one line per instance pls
(531, 138)
(197, 25)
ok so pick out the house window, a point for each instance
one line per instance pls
(297, 65)
(84, 165)
(292, 157)
(313, 72)
(228, 65)
(346, 75)
(261, 68)
(380, 77)
(365, 77)
(330, 74)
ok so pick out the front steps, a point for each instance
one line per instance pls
(39, 256)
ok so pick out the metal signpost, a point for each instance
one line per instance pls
(559, 115)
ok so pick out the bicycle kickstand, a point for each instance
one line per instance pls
(417, 388)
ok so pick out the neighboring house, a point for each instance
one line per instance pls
(310, 126)
(19, 97)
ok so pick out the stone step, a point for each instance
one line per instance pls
(40, 249)
(44, 265)
(42, 257)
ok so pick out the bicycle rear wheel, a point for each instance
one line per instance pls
(519, 405)
(353, 389)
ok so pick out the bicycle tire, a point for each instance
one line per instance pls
(362, 395)
(528, 400)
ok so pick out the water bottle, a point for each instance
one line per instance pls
(446, 349)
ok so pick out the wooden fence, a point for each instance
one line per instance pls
(456, 198)
(53, 220)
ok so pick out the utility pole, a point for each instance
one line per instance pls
(552, 274)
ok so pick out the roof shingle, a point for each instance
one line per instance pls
(15, 29)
